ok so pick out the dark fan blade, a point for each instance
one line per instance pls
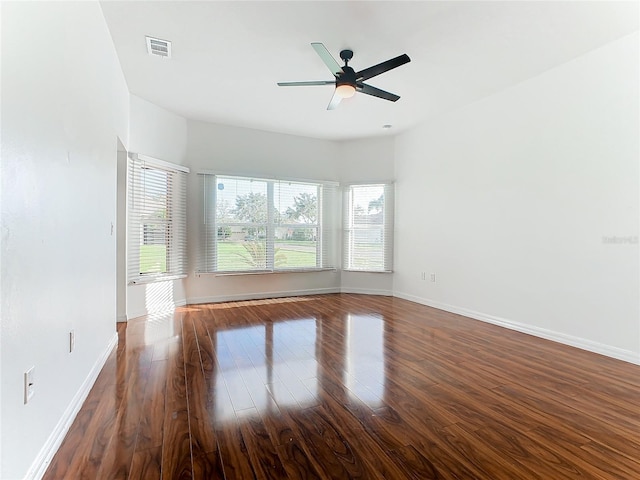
(302, 84)
(335, 101)
(370, 72)
(376, 92)
(326, 57)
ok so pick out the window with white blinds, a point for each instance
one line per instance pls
(157, 219)
(368, 228)
(267, 225)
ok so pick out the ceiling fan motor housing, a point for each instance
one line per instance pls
(348, 77)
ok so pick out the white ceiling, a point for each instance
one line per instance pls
(228, 56)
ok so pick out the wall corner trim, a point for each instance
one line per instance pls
(49, 449)
(578, 342)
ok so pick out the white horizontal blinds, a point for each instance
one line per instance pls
(329, 205)
(253, 225)
(156, 208)
(368, 228)
(389, 209)
(297, 242)
(177, 254)
(241, 217)
(207, 250)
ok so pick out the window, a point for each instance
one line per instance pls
(265, 225)
(368, 228)
(156, 209)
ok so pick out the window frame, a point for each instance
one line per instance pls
(208, 251)
(174, 223)
(386, 228)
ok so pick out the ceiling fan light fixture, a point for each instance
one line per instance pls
(347, 80)
(345, 90)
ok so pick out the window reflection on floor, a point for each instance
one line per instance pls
(364, 373)
(294, 359)
(159, 297)
(159, 327)
(259, 364)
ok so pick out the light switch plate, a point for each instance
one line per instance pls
(29, 384)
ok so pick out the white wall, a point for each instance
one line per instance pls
(508, 200)
(367, 160)
(156, 132)
(241, 151)
(161, 134)
(64, 104)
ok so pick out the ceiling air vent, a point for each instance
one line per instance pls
(158, 47)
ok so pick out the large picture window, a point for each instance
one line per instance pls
(263, 225)
(368, 228)
(156, 209)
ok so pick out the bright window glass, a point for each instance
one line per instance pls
(368, 228)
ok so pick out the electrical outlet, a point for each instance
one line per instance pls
(29, 384)
(433, 277)
(72, 340)
(424, 276)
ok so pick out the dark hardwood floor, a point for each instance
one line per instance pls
(350, 386)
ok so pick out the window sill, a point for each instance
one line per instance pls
(366, 271)
(163, 278)
(266, 272)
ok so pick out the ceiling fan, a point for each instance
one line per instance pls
(347, 80)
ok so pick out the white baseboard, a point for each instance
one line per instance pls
(142, 313)
(41, 462)
(582, 343)
(260, 295)
(367, 291)
(121, 318)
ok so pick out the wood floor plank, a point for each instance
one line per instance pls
(99, 438)
(261, 450)
(611, 434)
(147, 464)
(176, 441)
(349, 386)
(150, 431)
(377, 458)
(203, 439)
(208, 465)
(534, 457)
(117, 457)
(296, 461)
(232, 450)
(236, 462)
(480, 458)
(601, 454)
(416, 465)
(338, 457)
